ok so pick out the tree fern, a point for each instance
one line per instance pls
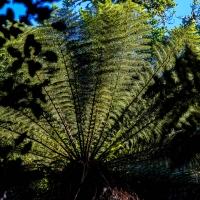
(94, 96)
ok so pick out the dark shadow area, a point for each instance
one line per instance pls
(177, 90)
(12, 172)
(32, 10)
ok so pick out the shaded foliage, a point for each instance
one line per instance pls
(12, 172)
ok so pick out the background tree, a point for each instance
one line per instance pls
(194, 17)
(160, 12)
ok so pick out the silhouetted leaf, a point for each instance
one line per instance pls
(43, 13)
(13, 96)
(2, 41)
(37, 47)
(2, 2)
(50, 56)
(33, 8)
(37, 92)
(2, 21)
(10, 14)
(36, 109)
(30, 42)
(5, 32)
(20, 139)
(60, 26)
(25, 20)
(15, 31)
(16, 65)
(27, 148)
(33, 67)
(14, 52)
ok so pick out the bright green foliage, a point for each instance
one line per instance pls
(161, 13)
(158, 7)
(100, 104)
(91, 88)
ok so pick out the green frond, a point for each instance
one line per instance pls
(105, 94)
